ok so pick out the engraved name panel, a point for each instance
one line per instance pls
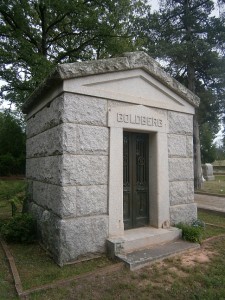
(138, 117)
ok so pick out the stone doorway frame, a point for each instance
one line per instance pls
(158, 165)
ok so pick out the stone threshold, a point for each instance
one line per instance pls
(142, 246)
(138, 238)
(144, 257)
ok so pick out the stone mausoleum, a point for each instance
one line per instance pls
(109, 150)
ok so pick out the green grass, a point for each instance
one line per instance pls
(216, 186)
(8, 190)
(212, 218)
(172, 279)
(7, 290)
(37, 268)
(168, 280)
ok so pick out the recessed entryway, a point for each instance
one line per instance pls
(135, 179)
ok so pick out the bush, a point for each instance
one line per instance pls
(192, 233)
(20, 229)
(7, 164)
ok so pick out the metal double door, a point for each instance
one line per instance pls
(135, 179)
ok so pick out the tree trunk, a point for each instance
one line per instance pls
(197, 154)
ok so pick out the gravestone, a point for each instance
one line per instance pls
(109, 147)
(207, 170)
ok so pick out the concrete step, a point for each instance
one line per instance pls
(138, 238)
(141, 258)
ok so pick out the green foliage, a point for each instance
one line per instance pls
(12, 145)
(14, 193)
(7, 164)
(20, 229)
(208, 149)
(192, 233)
(10, 189)
(190, 41)
(37, 35)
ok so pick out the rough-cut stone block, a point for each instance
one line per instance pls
(91, 200)
(46, 143)
(82, 237)
(48, 229)
(60, 200)
(189, 143)
(45, 169)
(181, 192)
(185, 213)
(177, 145)
(54, 141)
(180, 123)
(84, 110)
(190, 189)
(92, 139)
(85, 170)
(180, 169)
(46, 118)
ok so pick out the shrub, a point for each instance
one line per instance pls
(191, 233)
(7, 164)
(20, 229)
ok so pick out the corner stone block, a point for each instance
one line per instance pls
(177, 145)
(185, 213)
(85, 170)
(60, 200)
(45, 169)
(180, 123)
(46, 118)
(91, 200)
(189, 143)
(53, 141)
(181, 192)
(48, 229)
(180, 169)
(82, 237)
(84, 110)
(92, 140)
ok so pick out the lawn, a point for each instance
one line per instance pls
(198, 274)
(216, 186)
(8, 191)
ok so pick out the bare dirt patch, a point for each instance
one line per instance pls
(199, 256)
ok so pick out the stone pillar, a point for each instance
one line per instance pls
(116, 226)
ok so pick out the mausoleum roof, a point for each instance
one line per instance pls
(128, 61)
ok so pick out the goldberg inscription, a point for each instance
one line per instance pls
(136, 119)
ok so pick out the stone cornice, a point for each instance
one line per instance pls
(128, 61)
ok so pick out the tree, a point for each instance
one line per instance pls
(208, 148)
(190, 41)
(12, 145)
(35, 35)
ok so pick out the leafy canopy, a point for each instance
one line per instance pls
(190, 41)
(35, 35)
(12, 145)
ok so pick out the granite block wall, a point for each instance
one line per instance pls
(181, 174)
(67, 169)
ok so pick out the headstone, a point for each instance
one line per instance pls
(208, 172)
